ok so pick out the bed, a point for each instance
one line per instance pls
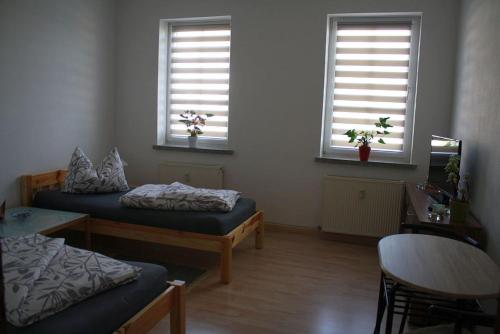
(208, 231)
(128, 309)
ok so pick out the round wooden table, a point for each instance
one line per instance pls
(438, 266)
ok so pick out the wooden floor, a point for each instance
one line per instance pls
(297, 284)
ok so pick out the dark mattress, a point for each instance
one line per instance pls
(105, 312)
(107, 206)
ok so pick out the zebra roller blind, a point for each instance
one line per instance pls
(198, 65)
(370, 77)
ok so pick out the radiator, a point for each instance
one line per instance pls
(365, 207)
(196, 175)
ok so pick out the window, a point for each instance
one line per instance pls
(371, 72)
(194, 75)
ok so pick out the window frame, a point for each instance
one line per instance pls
(164, 136)
(331, 35)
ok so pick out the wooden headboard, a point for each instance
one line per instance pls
(31, 184)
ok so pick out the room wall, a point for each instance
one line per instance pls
(476, 117)
(277, 73)
(56, 85)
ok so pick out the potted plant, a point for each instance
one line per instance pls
(363, 138)
(459, 202)
(194, 124)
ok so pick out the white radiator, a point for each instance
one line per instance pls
(196, 175)
(364, 207)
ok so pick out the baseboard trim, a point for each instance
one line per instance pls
(276, 227)
(350, 238)
(312, 231)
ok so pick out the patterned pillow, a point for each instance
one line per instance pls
(83, 178)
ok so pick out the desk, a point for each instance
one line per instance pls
(41, 221)
(417, 212)
(438, 266)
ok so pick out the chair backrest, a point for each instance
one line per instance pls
(439, 329)
(463, 318)
(3, 320)
(439, 231)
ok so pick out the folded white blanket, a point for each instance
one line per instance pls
(180, 197)
(43, 276)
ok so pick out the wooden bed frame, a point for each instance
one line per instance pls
(172, 300)
(223, 244)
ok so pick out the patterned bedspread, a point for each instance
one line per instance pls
(180, 197)
(43, 276)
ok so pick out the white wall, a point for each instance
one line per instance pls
(56, 85)
(477, 110)
(277, 66)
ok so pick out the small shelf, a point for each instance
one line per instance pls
(170, 147)
(374, 163)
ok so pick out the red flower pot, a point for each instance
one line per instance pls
(364, 152)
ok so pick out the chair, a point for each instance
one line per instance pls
(439, 231)
(3, 320)
(463, 318)
(442, 310)
(439, 329)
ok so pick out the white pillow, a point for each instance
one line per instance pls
(83, 178)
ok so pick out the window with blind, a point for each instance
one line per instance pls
(371, 73)
(197, 79)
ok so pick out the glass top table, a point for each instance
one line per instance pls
(28, 220)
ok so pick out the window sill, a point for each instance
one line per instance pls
(374, 163)
(170, 147)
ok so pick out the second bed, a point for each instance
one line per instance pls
(208, 231)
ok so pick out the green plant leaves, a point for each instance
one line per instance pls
(352, 134)
(365, 137)
(382, 123)
(453, 170)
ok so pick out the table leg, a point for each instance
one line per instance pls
(391, 295)
(497, 324)
(88, 240)
(381, 305)
(405, 316)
